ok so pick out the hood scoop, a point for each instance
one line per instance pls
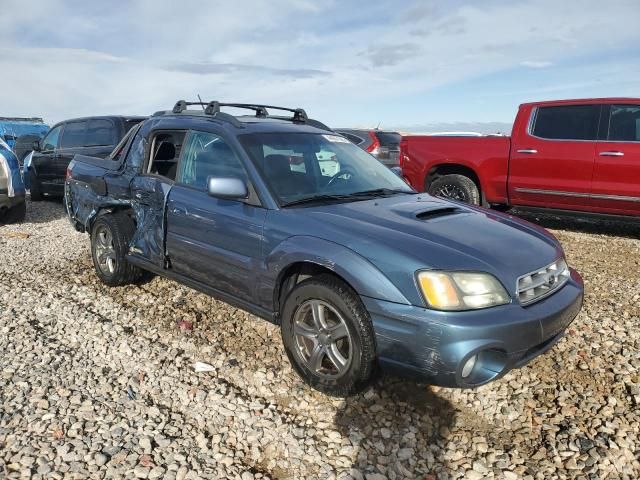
(437, 213)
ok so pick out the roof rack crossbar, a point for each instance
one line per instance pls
(262, 111)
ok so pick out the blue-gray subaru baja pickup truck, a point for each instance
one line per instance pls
(282, 217)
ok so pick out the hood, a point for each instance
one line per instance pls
(405, 233)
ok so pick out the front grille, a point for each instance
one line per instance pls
(536, 285)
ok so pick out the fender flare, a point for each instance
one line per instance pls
(364, 277)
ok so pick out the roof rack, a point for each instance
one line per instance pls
(21, 119)
(213, 109)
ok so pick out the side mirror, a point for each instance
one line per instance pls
(226, 187)
(36, 147)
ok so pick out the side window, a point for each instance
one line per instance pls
(50, 142)
(165, 152)
(74, 135)
(624, 123)
(571, 122)
(100, 132)
(205, 155)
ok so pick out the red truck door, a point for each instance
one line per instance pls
(552, 156)
(616, 177)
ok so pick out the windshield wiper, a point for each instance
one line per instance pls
(379, 192)
(317, 199)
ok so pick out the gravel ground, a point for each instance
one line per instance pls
(99, 382)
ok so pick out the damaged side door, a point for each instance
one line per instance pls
(150, 190)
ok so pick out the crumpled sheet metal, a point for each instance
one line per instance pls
(83, 204)
(149, 207)
(10, 164)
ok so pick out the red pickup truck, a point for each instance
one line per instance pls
(577, 155)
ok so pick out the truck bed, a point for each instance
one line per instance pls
(487, 156)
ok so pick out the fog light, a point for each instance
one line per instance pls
(468, 366)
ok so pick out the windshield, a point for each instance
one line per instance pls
(300, 166)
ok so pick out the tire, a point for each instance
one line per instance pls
(353, 342)
(110, 237)
(16, 214)
(35, 190)
(455, 187)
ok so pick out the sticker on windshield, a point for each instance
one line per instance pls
(335, 139)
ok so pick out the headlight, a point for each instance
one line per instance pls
(461, 290)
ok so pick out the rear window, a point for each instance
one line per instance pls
(624, 124)
(570, 122)
(100, 132)
(388, 138)
(74, 135)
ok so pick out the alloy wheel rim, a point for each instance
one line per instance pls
(105, 251)
(453, 192)
(322, 338)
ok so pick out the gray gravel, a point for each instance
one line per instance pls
(98, 382)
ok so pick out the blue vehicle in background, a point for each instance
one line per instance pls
(282, 217)
(20, 133)
(12, 193)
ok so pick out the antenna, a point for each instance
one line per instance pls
(378, 126)
(202, 104)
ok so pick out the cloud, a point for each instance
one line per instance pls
(389, 55)
(345, 64)
(208, 68)
(535, 64)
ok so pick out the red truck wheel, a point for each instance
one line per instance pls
(456, 187)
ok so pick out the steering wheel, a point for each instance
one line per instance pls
(346, 170)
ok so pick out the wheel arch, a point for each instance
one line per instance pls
(307, 256)
(447, 168)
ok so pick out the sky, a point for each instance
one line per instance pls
(408, 65)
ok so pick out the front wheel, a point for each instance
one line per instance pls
(110, 237)
(34, 187)
(328, 336)
(455, 187)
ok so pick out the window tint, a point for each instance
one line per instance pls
(571, 122)
(205, 155)
(100, 132)
(624, 124)
(74, 135)
(50, 142)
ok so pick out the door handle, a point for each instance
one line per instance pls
(530, 151)
(179, 211)
(612, 154)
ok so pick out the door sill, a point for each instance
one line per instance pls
(256, 310)
(579, 214)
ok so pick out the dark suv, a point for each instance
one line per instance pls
(282, 217)
(383, 145)
(94, 136)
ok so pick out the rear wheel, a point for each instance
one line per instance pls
(110, 238)
(34, 187)
(455, 187)
(328, 336)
